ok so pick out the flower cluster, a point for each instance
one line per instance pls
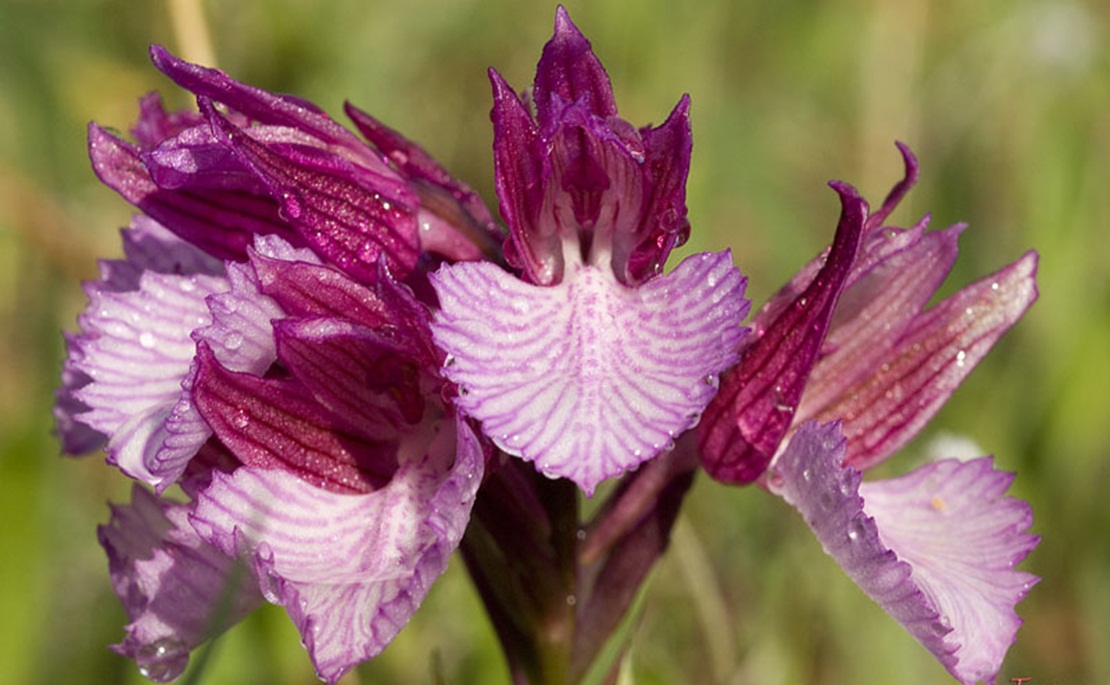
(333, 349)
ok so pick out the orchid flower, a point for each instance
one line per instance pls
(846, 365)
(350, 371)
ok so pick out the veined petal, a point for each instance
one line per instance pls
(935, 549)
(874, 313)
(939, 349)
(136, 350)
(178, 591)
(588, 378)
(522, 171)
(950, 520)
(350, 569)
(454, 220)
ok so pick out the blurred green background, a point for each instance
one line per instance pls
(1006, 102)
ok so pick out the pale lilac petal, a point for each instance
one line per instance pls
(939, 349)
(136, 350)
(936, 550)
(177, 590)
(952, 522)
(241, 336)
(588, 378)
(350, 569)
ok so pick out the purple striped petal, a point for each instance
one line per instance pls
(350, 569)
(149, 247)
(747, 420)
(936, 549)
(588, 378)
(366, 379)
(939, 349)
(177, 590)
(136, 349)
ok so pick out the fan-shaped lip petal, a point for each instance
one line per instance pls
(350, 569)
(588, 378)
(936, 549)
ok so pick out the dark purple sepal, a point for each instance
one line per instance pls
(310, 291)
(220, 222)
(366, 379)
(742, 427)
(450, 200)
(900, 189)
(522, 172)
(350, 214)
(640, 254)
(257, 104)
(569, 71)
(155, 124)
(275, 424)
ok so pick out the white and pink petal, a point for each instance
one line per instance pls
(350, 569)
(588, 378)
(936, 549)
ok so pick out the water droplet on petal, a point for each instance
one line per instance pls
(961, 358)
(856, 530)
(233, 341)
(807, 475)
(162, 660)
(146, 339)
(240, 419)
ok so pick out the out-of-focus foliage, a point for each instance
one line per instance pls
(1006, 102)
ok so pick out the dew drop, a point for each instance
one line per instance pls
(233, 341)
(291, 206)
(994, 286)
(807, 475)
(571, 600)
(449, 361)
(187, 285)
(386, 206)
(855, 530)
(146, 339)
(240, 419)
(961, 358)
(162, 660)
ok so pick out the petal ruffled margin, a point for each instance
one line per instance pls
(350, 569)
(936, 549)
(588, 378)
